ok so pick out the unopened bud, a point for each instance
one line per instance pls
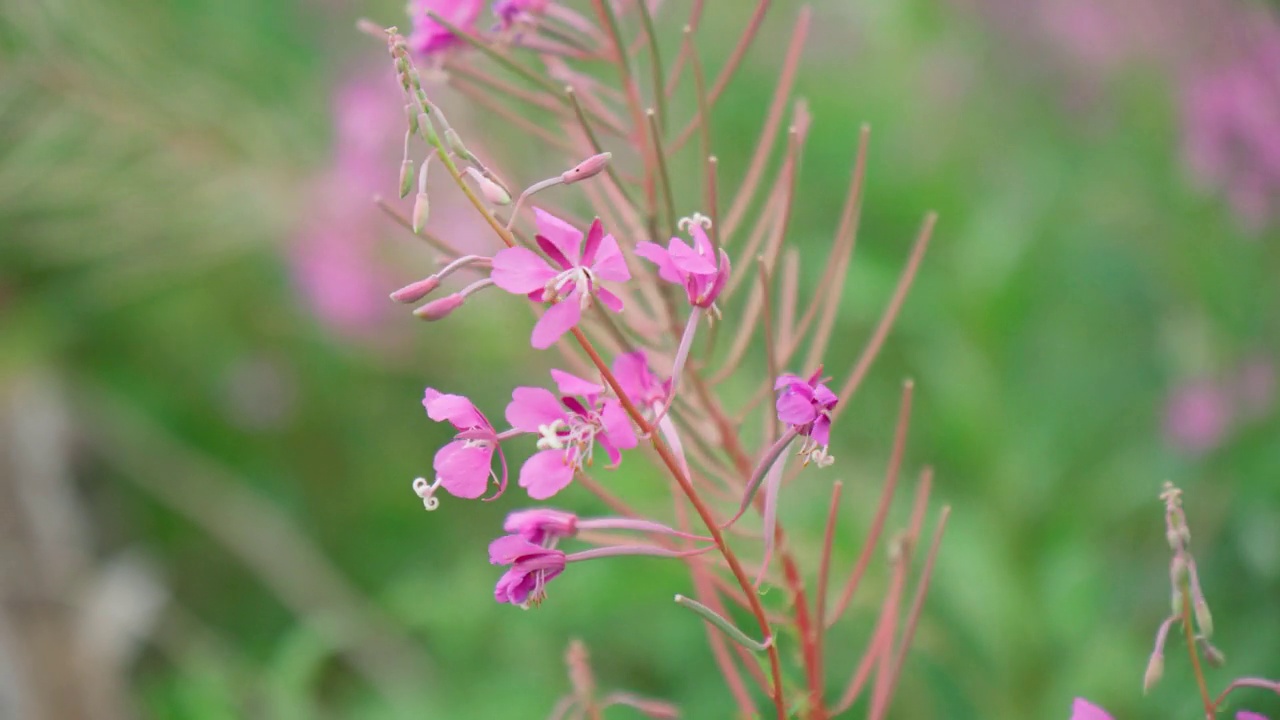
(454, 141)
(440, 309)
(491, 190)
(411, 113)
(1178, 571)
(413, 292)
(1155, 669)
(421, 209)
(406, 177)
(1176, 600)
(1204, 619)
(1212, 655)
(588, 168)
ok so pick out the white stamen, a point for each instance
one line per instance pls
(694, 219)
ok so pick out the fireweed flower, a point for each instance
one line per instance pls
(532, 567)
(642, 387)
(465, 465)
(512, 12)
(571, 282)
(541, 526)
(806, 405)
(430, 37)
(568, 429)
(698, 269)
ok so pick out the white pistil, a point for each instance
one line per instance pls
(426, 491)
(549, 436)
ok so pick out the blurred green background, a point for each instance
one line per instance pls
(210, 416)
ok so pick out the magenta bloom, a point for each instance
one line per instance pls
(694, 268)
(1246, 715)
(510, 11)
(532, 567)
(541, 526)
(806, 405)
(639, 383)
(430, 37)
(1082, 709)
(568, 428)
(465, 465)
(570, 280)
(1198, 417)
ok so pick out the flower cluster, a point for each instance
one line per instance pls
(643, 376)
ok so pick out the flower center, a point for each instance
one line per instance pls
(576, 435)
(563, 285)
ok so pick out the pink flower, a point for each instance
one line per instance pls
(532, 567)
(511, 11)
(568, 430)
(695, 268)
(430, 37)
(465, 465)
(1246, 715)
(571, 283)
(641, 386)
(806, 405)
(1198, 417)
(1082, 709)
(541, 526)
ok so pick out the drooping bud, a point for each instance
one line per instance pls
(411, 114)
(588, 168)
(454, 141)
(491, 190)
(439, 309)
(421, 209)
(1212, 655)
(406, 177)
(415, 291)
(1204, 619)
(1155, 669)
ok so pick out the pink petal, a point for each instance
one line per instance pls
(594, 235)
(456, 409)
(563, 235)
(701, 242)
(632, 372)
(1082, 709)
(531, 407)
(609, 263)
(556, 321)
(1246, 715)
(464, 471)
(786, 379)
(687, 259)
(659, 256)
(553, 252)
(795, 410)
(570, 384)
(509, 548)
(520, 270)
(618, 425)
(609, 300)
(545, 473)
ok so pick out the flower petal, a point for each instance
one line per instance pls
(701, 243)
(509, 548)
(456, 409)
(632, 372)
(618, 425)
(1082, 709)
(464, 470)
(520, 270)
(609, 300)
(563, 235)
(786, 379)
(794, 409)
(594, 234)
(533, 407)
(556, 321)
(659, 256)
(570, 384)
(545, 473)
(687, 259)
(609, 264)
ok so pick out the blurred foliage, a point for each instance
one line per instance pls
(154, 170)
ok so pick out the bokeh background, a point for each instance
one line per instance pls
(209, 413)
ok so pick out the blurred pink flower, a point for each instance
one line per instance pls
(639, 383)
(1197, 416)
(698, 269)
(428, 36)
(532, 567)
(806, 404)
(541, 525)
(332, 256)
(1082, 709)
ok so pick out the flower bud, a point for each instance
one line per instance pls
(421, 209)
(1212, 655)
(491, 190)
(1204, 619)
(439, 309)
(454, 141)
(406, 177)
(411, 113)
(1155, 669)
(588, 168)
(415, 291)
